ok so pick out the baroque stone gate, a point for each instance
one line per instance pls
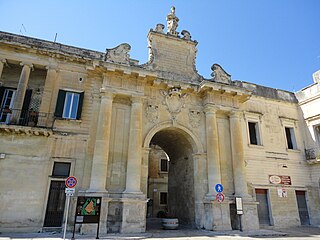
(100, 112)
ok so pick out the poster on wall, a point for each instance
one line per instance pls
(282, 192)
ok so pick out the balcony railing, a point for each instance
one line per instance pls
(26, 118)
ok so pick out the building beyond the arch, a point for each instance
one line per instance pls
(101, 117)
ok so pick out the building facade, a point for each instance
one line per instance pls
(97, 116)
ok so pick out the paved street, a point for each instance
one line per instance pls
(281, 234)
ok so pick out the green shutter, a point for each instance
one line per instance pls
(60, 104)
(80, 105)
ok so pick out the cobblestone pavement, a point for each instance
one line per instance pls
(309, 233)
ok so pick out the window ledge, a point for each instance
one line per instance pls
(293, 150)
(255, 146)
(70, 120)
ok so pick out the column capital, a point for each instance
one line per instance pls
(210, 108)
(104, 93)
(52, 67)
(30, 65)
(136, 99)
(235, 114)
(3, 60)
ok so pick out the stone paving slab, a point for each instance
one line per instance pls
(159, 234)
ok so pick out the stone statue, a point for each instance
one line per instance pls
(186, 35)
(118, 54)
(159, 28)
(172, 22)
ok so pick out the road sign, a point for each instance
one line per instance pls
(69, 192)
(219, 188)
(220, 197)
(71, 182)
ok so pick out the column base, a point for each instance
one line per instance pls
(133, 215)
(216, 215)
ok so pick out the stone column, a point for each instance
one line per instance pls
(45, 117)
(213, 156)
(21, 91)
(133, 177)
(239, 171)
(2, 62)
(101, 148)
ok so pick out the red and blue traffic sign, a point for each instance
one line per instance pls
(220, 197)
(71, 182)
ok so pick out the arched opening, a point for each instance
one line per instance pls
(172, 193)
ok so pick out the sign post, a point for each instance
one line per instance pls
(70, 183)
(220, 197)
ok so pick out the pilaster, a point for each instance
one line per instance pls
(239, 171)
(101, 148)
(47, 95)
(133, 177)
(213, 156)
(2, 63)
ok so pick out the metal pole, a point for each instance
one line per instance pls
(66, 217)
(240, 216)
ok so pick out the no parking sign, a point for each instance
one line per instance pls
(71, 182)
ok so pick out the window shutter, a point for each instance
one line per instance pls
(80, 105)
(60, 104)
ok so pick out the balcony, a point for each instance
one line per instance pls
(312, 155)
(26, 121)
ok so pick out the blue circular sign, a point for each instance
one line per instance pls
(219, 188)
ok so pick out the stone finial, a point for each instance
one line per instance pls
(118, 54)
(172, 22)
(220, 75)
(186, 35)
(159, 28)
(316, 77)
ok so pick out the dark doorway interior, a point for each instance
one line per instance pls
(302, 207)
(55, 206)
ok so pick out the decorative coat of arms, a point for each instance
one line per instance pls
(152, 113)
(194, 117)
(174, 100)
(119, 54)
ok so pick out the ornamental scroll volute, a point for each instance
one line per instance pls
(174, 99)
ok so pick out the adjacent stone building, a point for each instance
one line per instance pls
(97, 116)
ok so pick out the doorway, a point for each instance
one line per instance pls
(55, 206)
(176, 199)
(302, 207)
(263, 207)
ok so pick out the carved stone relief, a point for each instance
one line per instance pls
(118, 54)
(194, 117)
(220, 75)
(159, 28)
(186, 35)
(152, 112)
(174, 100)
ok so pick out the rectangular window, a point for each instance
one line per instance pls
(164, 165)
(163, 198)
(69, 104)
(291, 140)
(61, 169)
(254, 133)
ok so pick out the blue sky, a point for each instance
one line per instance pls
(274, 43)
